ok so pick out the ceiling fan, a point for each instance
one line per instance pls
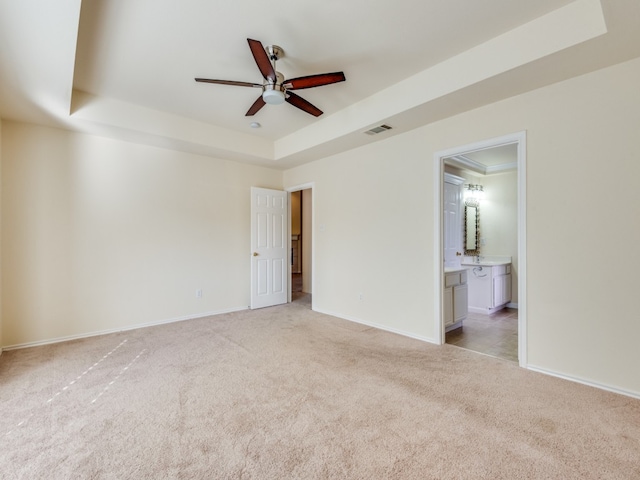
(275, 89)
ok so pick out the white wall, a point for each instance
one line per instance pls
(374, 221)
(499, 220)
(99, 234)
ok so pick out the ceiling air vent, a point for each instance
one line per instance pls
(376, 130)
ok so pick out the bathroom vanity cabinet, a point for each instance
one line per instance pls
(489, 287)
(455, 298)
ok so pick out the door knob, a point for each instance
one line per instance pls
(255, 254)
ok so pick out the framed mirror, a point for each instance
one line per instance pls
(471, 227)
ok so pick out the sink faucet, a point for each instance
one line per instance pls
(478, 258)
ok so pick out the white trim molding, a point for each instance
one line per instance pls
(469, 164)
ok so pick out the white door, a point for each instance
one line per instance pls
(452, 221)
(269, 268)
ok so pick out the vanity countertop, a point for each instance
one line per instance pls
(454, 269)
(488, 261)
(484, 263)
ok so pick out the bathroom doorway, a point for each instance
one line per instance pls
(493, 261)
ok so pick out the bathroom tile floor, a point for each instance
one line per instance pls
(495, 335)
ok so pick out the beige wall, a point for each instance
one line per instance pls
(374, 222)
(296, 213)
(373, 219)
(99, 234)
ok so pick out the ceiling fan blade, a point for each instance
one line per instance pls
(302, 104)
(262, 60)
(257, 105)
(229, 82)
(314, 80)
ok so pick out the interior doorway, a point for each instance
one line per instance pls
(301, 246)
(499, 164)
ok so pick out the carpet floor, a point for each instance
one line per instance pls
(288, 393)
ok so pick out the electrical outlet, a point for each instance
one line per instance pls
(199, 293)
(360, 296)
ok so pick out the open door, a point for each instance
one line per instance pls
(452, 220)
(269, 267)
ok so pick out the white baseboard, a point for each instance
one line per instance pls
(375, 325)
(121, 329)
(589, 383)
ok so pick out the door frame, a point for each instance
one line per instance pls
(289, 190)
(520, 139)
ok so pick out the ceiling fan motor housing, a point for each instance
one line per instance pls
(273, 93)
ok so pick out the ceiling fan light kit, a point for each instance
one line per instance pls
(273, 97)
(275, 89)
(273, 93)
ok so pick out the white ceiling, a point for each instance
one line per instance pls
(125, 69)
(487, 161)
(149, 51)
(492, 157)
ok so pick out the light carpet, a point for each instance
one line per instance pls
(288, 393)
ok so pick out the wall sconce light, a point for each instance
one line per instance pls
(474, 191)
